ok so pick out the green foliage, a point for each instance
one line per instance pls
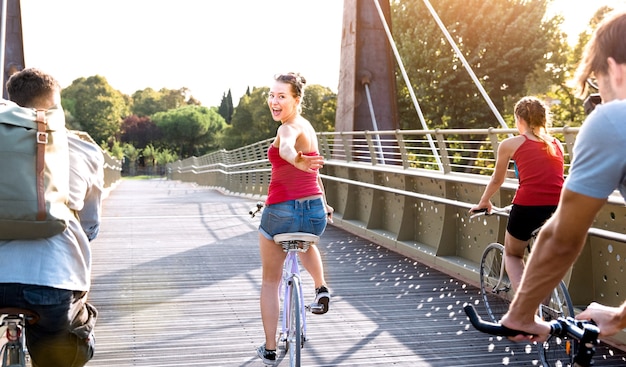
(504, 41)
(319, 107)
(192, 130)
(147, 102)
(95, 107)
(226, 107)
(251, 121)
(116, 150)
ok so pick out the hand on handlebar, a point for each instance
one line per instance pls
(607, 318)
(536, 330)
(482, 208)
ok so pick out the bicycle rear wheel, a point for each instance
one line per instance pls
(495, 286)
(294, 327)
(558, 352)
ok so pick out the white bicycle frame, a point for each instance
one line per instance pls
(292, 244)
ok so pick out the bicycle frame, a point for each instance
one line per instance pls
(293, 326)
(14, 351)
(291, 283)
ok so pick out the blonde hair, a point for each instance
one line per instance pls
(537, 115)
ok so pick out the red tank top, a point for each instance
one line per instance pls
(540, 173)
(288, 182)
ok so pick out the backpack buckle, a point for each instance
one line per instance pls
(42, 137)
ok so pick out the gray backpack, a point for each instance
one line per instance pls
(34, 172)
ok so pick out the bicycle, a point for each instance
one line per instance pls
(584, 332)
(497, 294)
(14, 351)
(293, 316)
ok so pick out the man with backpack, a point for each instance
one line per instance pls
(52, 275)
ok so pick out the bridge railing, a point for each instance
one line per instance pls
(391, 187)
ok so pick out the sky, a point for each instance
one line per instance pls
(207, 46)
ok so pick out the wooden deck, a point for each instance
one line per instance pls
(176, 279)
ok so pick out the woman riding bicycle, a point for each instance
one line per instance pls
(539, 160)
(295, 202)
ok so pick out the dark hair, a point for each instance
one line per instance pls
(296, 80)
(608, 40)
(27, 86)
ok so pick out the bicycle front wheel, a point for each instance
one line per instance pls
(495, 286)
(557, 352)
(294, 333)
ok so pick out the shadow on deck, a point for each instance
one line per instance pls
(176, 279)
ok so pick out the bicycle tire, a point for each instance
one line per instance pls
(555, 351)
(294, 337)
(495, 286)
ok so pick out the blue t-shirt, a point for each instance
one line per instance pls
(599, 164)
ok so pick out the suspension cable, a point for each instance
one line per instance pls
(409, 86)
(467, 66)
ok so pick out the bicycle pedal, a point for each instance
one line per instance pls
(315, 307)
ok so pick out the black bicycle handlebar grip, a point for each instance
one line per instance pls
(489, 327)
(481, 210)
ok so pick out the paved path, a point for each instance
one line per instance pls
(176, 279)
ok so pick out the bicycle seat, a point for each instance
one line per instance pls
(31, 316)
(297, 237)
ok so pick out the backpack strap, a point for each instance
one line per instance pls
(42, 141)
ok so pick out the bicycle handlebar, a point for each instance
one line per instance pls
(494, 210)
(259, 206)
(586, 332)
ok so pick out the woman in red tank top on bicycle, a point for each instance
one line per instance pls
(295, 202)
(539, 160)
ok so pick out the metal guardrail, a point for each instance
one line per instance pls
(387, 186)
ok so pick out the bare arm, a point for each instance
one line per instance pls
(557, 247)
(505, 152)
(287, 138)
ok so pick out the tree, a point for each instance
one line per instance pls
(319, 107)
(226, 107)
(95, 107)
(190, 130)
(252, 121)
(504, 41)
(132, 156)
(569, 110)
(147, 102)
(139, 131)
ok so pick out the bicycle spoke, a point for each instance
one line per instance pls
(555, 351)
(494, 282)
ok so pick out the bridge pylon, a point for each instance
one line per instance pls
(11, 41)
(366, 97)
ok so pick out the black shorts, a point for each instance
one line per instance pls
(523, 220)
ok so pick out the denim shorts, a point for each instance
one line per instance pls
(293, 216)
